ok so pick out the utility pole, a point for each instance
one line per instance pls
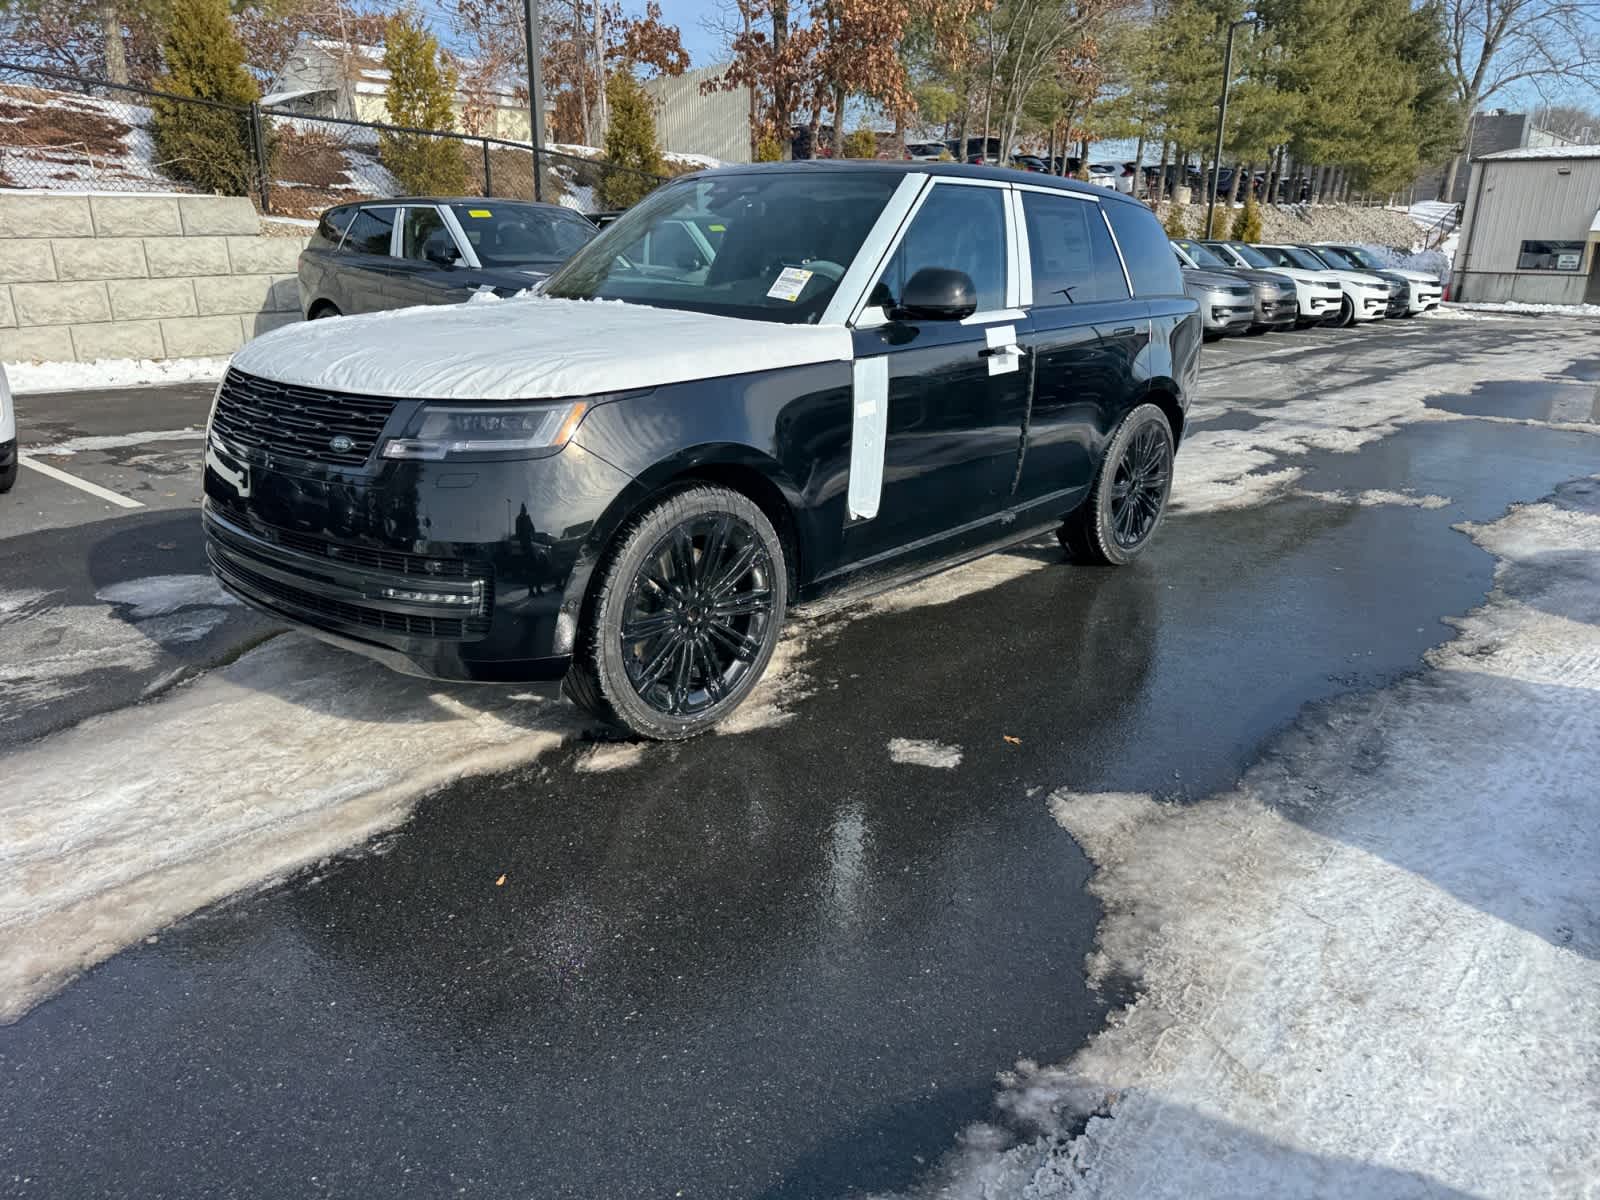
(1222, 118)
(530, 9)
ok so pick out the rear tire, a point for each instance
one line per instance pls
(1125, 505)
(8, 477)
(686, 616)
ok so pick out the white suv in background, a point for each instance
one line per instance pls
(1366, 297)
(1318, 296)
(1424, 291)
(8, 436)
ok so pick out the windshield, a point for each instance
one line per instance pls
(765, 246)
(1336, 258)
(1253, 256)
(1204, 256)
(1363, 258)
(1296, 257)
(509, 235)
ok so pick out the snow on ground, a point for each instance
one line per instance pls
(1374, 497)
(129, 821)
(1454, 312)
(1514, 306)
(919, 753)
(111, 373)
(157, 595)
(1373, 969)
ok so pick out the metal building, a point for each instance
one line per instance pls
(692, 120)
(1531, 231)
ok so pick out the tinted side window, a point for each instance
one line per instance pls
(959, 228)
(1151, 263)
(1074, 259)
(330, 229)
(369, 232)
(420, 227)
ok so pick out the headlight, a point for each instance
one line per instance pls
(450, 431)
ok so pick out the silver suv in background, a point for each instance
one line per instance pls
(1277, 305)
(1227, 305)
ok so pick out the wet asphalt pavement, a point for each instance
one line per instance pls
(766, 965)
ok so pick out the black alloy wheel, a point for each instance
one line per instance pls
(1139, 487)
(1346, 314)
(1129, 496)
(687, 615)
(697, 614)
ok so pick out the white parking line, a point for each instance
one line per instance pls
(94, 489)
(118, 441)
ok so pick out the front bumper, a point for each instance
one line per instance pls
(452, 570)
(1227, 314)
(1425, 297)
(1371, 306)
(1276, 312)
(1321, 306)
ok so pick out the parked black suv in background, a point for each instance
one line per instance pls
(879, 367)
(426, 250)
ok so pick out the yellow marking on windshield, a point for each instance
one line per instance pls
(479, 212)
(717, 228)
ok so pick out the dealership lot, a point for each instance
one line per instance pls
(472, 944)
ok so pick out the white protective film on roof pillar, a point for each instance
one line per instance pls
(868, 435)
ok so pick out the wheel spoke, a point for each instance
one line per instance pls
(744, 604)
(744, 648)
(657, 665)
(680, 676)
(681, 550)
(713, 678)
(712, 554)
(649, 626)
(742, 562)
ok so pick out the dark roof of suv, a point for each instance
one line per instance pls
(952, 169)
(380, 201)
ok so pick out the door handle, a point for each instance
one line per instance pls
(1125, 331)
(995, 351)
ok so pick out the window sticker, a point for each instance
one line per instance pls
(791, 281)
(717, 228)
(479, 212)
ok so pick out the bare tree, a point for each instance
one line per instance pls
(1495, 44)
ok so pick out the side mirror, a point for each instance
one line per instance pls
(441, 253)
(937, 294)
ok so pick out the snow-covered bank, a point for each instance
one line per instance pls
(1374, 968)
(111, 373)
(1517, 306)
(122, 825)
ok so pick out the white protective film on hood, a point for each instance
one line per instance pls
(529, 349)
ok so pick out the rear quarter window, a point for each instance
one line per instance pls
(1151, 264)
(330, 229)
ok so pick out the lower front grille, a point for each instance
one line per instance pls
(320, 610)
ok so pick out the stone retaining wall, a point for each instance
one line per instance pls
(85, 277)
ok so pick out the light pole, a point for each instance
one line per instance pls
(1222, 117)
(530, 10)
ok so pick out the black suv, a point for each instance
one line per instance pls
(431, 250)
(864, 370)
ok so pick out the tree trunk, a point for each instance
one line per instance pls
(1233, 185)
(581, 81)
(1161, 175)
(781, 116)
(838, 122)
(1274, 173)
(1138, 162)
(602, 111)
(116, 49)
(814, 147)
(1083, 158)
(755, 135)
(966, 119)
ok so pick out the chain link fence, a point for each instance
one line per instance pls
(66, 132)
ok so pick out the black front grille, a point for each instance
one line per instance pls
(300, 602)
(297, 422)
(369, 559)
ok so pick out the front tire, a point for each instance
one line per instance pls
(1347, 314)
(1129, 497)
(688, 612)
(8, 477)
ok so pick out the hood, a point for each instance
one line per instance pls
(530, 348)
(1201, 278)
(1362, 277)
(1413, 276)
(1253, 276)
(1304, 276)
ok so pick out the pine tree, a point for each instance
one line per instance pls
(630, 143)
(422, 86)
(1247, 223)
(863, 143)
(206, 146)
